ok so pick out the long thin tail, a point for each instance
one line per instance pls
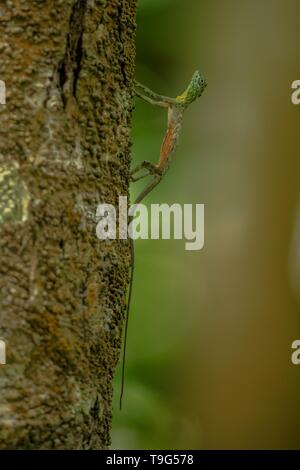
(126, 321)
(140, 197)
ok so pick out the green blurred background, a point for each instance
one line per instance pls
(210, 332)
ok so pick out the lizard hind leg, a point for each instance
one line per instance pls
(139, 177)
(150, 167)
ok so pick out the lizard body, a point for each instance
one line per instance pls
(176, 108)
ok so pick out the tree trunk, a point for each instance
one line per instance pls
(64, 148)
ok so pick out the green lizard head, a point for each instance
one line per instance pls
(193, 91)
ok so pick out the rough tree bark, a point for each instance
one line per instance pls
(64, 148)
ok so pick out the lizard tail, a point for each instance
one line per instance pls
(126, 322)
(141, 196)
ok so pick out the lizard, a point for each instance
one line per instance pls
(176, 108)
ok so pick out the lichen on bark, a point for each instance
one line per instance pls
(64, 148)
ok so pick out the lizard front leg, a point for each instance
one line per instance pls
(151, 97)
